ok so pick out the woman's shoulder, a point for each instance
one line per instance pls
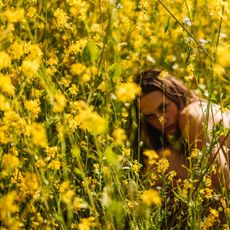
(194, 110)
(201, 113)
(190, 122)
(201, 109)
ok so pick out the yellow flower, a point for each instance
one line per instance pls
(4, 137)
(16, 50)
(161, 120)
(61, 18)
(166, 152)
(86, 223)
(78, 46)
(29, 183)
(163, 74)
(67, 196)
(207, 181)
(91, 121)
(85, 77)
(207, 193)
(4, 104)
(190, 69)
(8, 206)
(102, 87)
(126, 92)
(172, 175)
(5, 60)
(38, 133)
(77, 69)
(195, 153)
(79, 9)
(73, 89)
(30, 68)
(64, 186)
(59, 102)
(40, 164)
(12, 126)
(14, 15)
(211, 219)
(119, 136)
(136, 167)
(79, 203)
(151, 197)
(78, 106)
(214, 212)
(52, 151)
(223, 56)
(70, 121)
(6, 85)
(34, 51)
(151, 155)
(31, 12)
(54, 164)
(33, 107)
(10, 162)
(127, 152)
(163, 165)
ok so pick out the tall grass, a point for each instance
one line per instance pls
(68, 122)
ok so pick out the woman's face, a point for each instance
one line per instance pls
(160, 112)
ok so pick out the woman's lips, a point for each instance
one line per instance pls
(170, 128)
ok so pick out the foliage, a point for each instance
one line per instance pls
(66, 91)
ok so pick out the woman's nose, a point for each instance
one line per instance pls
(158, 115)
(162, 119)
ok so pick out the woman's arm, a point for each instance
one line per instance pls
(192, 126)
(177, 162)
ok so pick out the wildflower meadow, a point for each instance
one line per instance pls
(67, 114)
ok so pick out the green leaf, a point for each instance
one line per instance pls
(110, 156)
(90, 52)
(167, 25)
(79, 173)
(115, 70)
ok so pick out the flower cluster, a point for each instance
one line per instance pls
(67, 119)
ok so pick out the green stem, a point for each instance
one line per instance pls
(211, 162)
(186, 30)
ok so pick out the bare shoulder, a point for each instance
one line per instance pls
(191, 120)
(199, 117)
(193, 113)
(201, 111)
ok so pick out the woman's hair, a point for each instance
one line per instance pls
(152, 80)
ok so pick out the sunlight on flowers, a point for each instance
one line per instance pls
(151, 197)
(86, 223)
(151, 155)
(8, 206)
(91, 121)
(61, 18)
(119, 136)
(6, 85)
(38, 133)
(127, 92)
(30, 68)
(59, 102)
(5, 60)
(14, 15)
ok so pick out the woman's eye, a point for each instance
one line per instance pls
(151, 118)
(163, 107)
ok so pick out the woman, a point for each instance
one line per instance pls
(174, 117)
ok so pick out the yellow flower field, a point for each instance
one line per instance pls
(68, 121)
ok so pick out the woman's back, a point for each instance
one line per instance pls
(201, 120)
